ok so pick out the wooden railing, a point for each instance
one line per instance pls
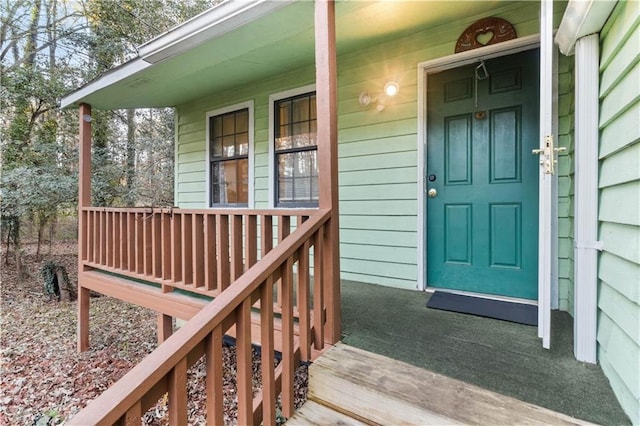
(201, 251)
(165, 369)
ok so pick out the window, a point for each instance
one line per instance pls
(295, 143)
(229, 158)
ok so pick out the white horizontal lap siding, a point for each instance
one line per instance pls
(619, 206)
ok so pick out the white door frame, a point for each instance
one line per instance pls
(548, 234)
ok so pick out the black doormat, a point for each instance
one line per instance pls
(498, 309)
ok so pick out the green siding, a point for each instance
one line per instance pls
(377, 150)
(566, 109)
(619, 206)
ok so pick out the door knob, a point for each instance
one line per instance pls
(432, 193)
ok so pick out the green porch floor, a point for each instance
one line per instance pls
(504, 357)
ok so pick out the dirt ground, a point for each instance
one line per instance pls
(44, 380)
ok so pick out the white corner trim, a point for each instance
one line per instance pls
(424, 69)
(230, 108)
(212, 23)
(581, 18)
(113, 76)
(585, 322)
(272, 99)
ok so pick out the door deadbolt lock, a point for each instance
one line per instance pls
(432, 193)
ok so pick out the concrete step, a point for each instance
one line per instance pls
(374, 389)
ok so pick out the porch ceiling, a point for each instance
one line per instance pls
(279, 40)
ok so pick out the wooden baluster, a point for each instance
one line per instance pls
(198, 250)
(103, 238)
(91, 224)
(166, 246)
(147, 222)
(117, 239)
(187, 249)
(115, 234)
(176, 248)
(124, 237)
(178, 393)
(108, 234)
(244, 363)
(210, 262)
(318, 291)
(222, 231)
(156, 241)
(236, 247)
(140, 243)
(284, 226)
(251, 240)
(215, 371)
(266, 235)
(303, 302)
(267, 353)
(131, 219)
(133, 415)
(165, 327)
(288, 366)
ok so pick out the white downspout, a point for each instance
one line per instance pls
(586, 198)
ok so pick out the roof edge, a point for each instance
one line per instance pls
(110, 77)
(580, 19)
(218, 20)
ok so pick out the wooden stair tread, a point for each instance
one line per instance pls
(313, 413)
(377, 389)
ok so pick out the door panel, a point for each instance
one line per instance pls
(482, 224)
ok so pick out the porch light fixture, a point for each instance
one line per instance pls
(390, 90)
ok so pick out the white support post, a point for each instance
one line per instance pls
(586, 198)
(545, 246)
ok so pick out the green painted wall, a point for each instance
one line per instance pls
(619, 206)
(566, 122)
(377, 150)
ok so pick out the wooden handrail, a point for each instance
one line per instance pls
(165, 368)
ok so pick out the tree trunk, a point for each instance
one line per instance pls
(63, 285)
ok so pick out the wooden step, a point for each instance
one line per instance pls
(378, 390)
(312, 414)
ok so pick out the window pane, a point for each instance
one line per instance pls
(216, 124)
(217, 147)
(228, 146)
(312, 107)
(283, 112)
(228, 124)
(301, 136)
(297, 177)
(243, 181)
(242, 121)
(283, 138)
(242, 143)
(300, 109)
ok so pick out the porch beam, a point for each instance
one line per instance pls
(84, 200)
(326, 98)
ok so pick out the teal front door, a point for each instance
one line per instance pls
(481, 178)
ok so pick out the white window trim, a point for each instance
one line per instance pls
(231, 108)
(273, 98)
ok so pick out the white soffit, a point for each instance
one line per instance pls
(581, 18)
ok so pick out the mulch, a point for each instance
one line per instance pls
(45, 381)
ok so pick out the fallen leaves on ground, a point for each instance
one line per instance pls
(44, 380)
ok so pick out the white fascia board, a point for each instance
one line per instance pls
(581, 18)
(113, 76)
(218, 20)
